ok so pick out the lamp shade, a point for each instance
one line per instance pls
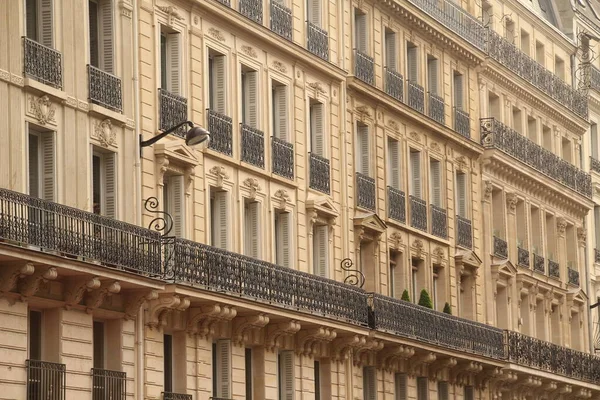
(196, 136)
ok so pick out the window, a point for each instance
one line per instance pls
(396, 280)
(216, 82)
(469, 393)
(321, 250)
(567, 151)
(313, 8)
(415, 279)
(415, 173)
(250, 113)
(517, 120)
(393, 163)
(540, 54)
(461, 194)
(221, 368)
(219, 219)
(39, 21)
(369, 383)
(317, 139)
(35, 335)
(435, 180)
(594, 139)
(412, 62)
(525, 43)
(391, 51)
(435, 291)
(252, 228)
(170, 70)
(41, 165)
(422, 388)
(280, 111)
(168, 362)
(443, 391)
(101, 34)
(104, 184)
(559, 67)
(509, 33)
(174, 202)
(283, 246)
(360, 31)
(458, 84)
(317, 377)
(597, 226)
(248, 373)
(363, 159)
(547, 138)
(400, 387)
(432, 74)
(286, 375)
(99, 343)
(494, 105)
(532, 129)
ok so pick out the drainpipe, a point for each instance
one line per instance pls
(139, 346)
(343, 144)
(137, 117)
(589, 293)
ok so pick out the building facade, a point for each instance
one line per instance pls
(361, 152)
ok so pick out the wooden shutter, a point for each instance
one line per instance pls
(286, 371)
(412, 64)
(314, 12)
(224, 368)
(317, 145)
(321, 250)
(363, 159)
(253, 229)
(369, 383)
(390, 51)
(415, 171)
(360, 33)
(220, 223)
(594, 139)
(177, 204)
(251, 100)
(436, 183)
(46, 30)
(432, 75)
(283, 239)
(31, 19)
(443, 391)
(281, 112)
(400, 386)
(34, 165)
(107, 35)
(110, 185)
(394, 163)
(174, 63)
(48, 166)
(422, 388)
(458, 91)
(469, 393)
(219, 94)
(461, 194)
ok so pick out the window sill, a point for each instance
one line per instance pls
(105, 112)
(40, 87)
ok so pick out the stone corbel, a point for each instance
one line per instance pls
(391, 356)
(309, 342)
(395, 241)
(465, 372)
(583, 393)
(245, 329)
(504, 381)
(203, 320)
(96, 297)
(367, 355)
(421, 360)
(135, 299)
(561, 226)
(511, 202)
(159, 309)
(276, 334)
(283, 197)
(527, 385)
(76, 288)
(548, 387)
(441, 367)
(581, 237)
(253, 187)
(11, 274)
(487, 376)
(342, 347)
(31, 284)
(220, 173)
(162, 166)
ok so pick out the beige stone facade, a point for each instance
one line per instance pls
(359, 150)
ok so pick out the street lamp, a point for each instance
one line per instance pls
(194, 136)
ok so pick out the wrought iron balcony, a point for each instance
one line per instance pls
(439, 222)
(105, 89)
(364, 67)
(55, 228)
(530, 70)
(523, 257)
(500, 247)
(595, 78)
(539, 264)
(462, 123)
(365, 191)
(173, 111)
(283, 158)
(553, 269)
(396, 204)
(219, 270)
(46, 380)
(220, 127)
(320, 173)
(464, 236)
(573, 276)
(253, 146)
(415, 322)
(394, 84)
(107, 384)
(252, 9)
(418, 213)
(317, 41)
(176, 396)
(545, 356)
(495, 134)
(436, 108)
(42, 63)
(594, 164)
(597, 255)
(416, 97)
(281, 20)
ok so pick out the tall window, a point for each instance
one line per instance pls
(393, 147)
(219, 219)
(104, 184)
(369, 383)
(597, 226)
(168, 362)
(39, 21)
(221, 368)
(432, 74)
(525, 43)
(248, 373)
(559, 67)
(41, 164)
(412, 62)
(313, 8)
(540, 53)
(400, 391)
(469, 393)
(415, 173)
(363, 156)
(422, 388)
(461, 194)
(174, 202)
(435, 291)
(360, 31)
(547, 138)
(99, 344)
(443, 391)
(285, 374)
(250, 113)
(101, 34)
(458, 84)
(594, 139)
(532, 129)
(517, 120)
(170, 60)
(280, 111)
(216, 82)
(391, 50)
(283, 237)
(317, 139)
(321, 250)
(252, 228)
(35, 332)
(392, 273)
(317, 378)
(435, 179)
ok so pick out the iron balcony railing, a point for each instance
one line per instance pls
(415, 322)
(595, 78)
(416, 97)
(281, 20)
(530, 70)
(223, 271)
(364, 67)
(46, 380)
(220, 127)
(173, 111)
(104, 89)
(176, 396)
(42, 63)
(553, 269)
(439, 221)
(464, 236)
(253, 146)
(320, 173)
(495, 134)
(462, 123)
(523, 257)
(539, 264)
(573, 276)
(437, 108)
(545, 356)
(394, 84)
(594, 164)
(283, 158)
(418, 213)
(500, 247)
(396, 204)
(317, 41)
(252, 9)
(597, 255)
(107, 384)
(365, 191)
(71, 232)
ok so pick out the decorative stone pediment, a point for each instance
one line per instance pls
(42, 109)
(177, 152)
(104, 133)
(323, 205)
(505, 268)
(466, 258)
(370, 222)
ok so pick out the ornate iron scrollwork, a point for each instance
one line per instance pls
(162, 223)
(356, 277)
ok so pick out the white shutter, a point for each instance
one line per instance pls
(597, 225)
(436, 183)
(370, 383)
(390, 51)
(400, 387)
(219, 84)
(281, 112)
(317, 140)
(415, 171)
(394, 163)
(443, 391)
(34, 166)
(48, 166)
(461, 194)
(31, 19)
(106, 15)
(46, 31)
(251, 105)
(321, 250)
(176, 204)
(220, 221)
(283, 239)
(363, 149)
(432, 75)
(224, 368)
(286, 369)
(458, 91)
(253, 229)
(314, 12)
(422, 388)
(594, 139)
(412, 64)
(360, 22)
(110, 185)
(174, 63)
